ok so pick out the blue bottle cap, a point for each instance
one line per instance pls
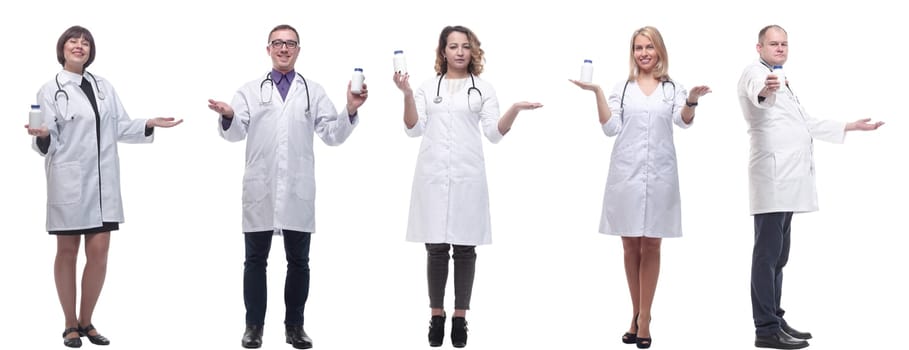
(358, 69)
(399, 51)
(588, 61)
(36, 106)
(777, 67)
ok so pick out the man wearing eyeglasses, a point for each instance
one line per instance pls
(278, 115)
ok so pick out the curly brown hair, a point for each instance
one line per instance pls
(477, 59)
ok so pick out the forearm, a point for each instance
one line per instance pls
(688, 113)
(410, 111)
(507, 119)
(602, 107)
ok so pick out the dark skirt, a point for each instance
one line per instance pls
(105, 227)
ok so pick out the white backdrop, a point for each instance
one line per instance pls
(549, 280)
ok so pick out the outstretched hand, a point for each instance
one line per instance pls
(697, 92)
(863, 125)
(162, 122)
(524, 105)
(402, 81)
(585, 86)
(222, 108)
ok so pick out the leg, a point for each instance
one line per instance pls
(649, 274)
(437, 275)
(465, 261)
(258, 244)
(97, 246)
(65, 279)
(766, 271)
(784, 258)
(296, 284)
(632, 248)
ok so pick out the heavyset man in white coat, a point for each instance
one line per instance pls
(781, 179)
(278, 114)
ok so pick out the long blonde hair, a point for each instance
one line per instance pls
(661, 69)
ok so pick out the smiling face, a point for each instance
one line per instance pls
(773, 46)
(76, 52)
(76, 49)
(645, 54)
(283, 47)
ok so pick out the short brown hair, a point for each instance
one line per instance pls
(76, 32)
(284, 27)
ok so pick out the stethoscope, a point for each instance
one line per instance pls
(666, 98)
(268, 81)
(61, 92)
(473, 88)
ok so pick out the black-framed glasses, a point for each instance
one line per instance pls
(276, 44)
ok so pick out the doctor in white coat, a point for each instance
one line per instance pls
(450, 199)
(278, 114)
(642, 202)
(781, 178)
(83, 121)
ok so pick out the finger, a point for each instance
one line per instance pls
(865, 120)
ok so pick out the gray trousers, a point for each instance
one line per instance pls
(465, 260)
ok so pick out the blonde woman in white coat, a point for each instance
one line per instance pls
(642, 202)
(450, 200)
(83, 121)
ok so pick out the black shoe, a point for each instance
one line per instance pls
(296, 336)
(458, 332)
(252, 337)
(436, 330)
(779, 340)
(72, 342)
(631, 338)
(97, 339)
(794, 333)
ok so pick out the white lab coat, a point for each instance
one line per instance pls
(450, 199)
(642, 189)
(83, 189)
(279, 186)
(781, 166)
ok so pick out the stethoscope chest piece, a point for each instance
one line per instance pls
(437, 100)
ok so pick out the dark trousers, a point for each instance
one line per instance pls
(771, 252)
(465, 261)
(296, 284)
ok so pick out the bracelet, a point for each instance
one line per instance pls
(691, 104)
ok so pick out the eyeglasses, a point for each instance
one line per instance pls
(276, 44)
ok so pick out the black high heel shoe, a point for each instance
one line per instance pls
(97, 339)
(631, 338)
(641, 342)
(72, 342)
(436, 330)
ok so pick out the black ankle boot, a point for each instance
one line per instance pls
(436, 330)
(458, 332)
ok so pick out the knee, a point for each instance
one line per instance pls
(68, 252)
(464, 252)
(437, 250)
(651, 246)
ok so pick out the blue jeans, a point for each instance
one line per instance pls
(296, 284)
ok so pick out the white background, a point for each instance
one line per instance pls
(549, 280)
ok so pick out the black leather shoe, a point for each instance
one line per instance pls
(252, 337)
(779, 340)
(96, 339)
(72, 342)
(794, 333)
(436, 330)
(458, 332)
(296, 336)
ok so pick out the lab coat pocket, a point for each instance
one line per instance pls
(64, 185)
(304, 187)
(254, 190)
